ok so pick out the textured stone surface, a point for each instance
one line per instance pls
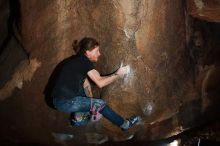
(169, 85)
(204, 9)
(11, 49)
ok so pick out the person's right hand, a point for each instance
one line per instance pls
(123, 70)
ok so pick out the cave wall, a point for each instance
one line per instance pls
(208, 10)
(152, 37)
(11, 49)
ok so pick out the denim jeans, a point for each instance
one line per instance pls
(83, 104)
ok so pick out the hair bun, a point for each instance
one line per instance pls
(75, 46)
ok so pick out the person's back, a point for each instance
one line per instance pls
(69, 81)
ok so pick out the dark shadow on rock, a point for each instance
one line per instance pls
(13, 25)
(12, 51)
(190, 113)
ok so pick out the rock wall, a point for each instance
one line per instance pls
(150, 36)
(204, 9)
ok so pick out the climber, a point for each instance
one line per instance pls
(72, 90)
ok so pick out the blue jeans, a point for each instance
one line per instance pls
(83, 104)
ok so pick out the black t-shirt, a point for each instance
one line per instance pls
(71, 76)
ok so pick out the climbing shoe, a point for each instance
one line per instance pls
(130, 122)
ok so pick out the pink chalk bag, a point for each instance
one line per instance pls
(95, 112)
(83, 118)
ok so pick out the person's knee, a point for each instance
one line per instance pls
(100, 102)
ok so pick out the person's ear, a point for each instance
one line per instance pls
(87, 52)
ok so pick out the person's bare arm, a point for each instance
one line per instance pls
(102, 81)
(87, 88)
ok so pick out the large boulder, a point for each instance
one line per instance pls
(150, 36)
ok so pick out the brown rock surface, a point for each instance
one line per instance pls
(204, 9)
(150, 36)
